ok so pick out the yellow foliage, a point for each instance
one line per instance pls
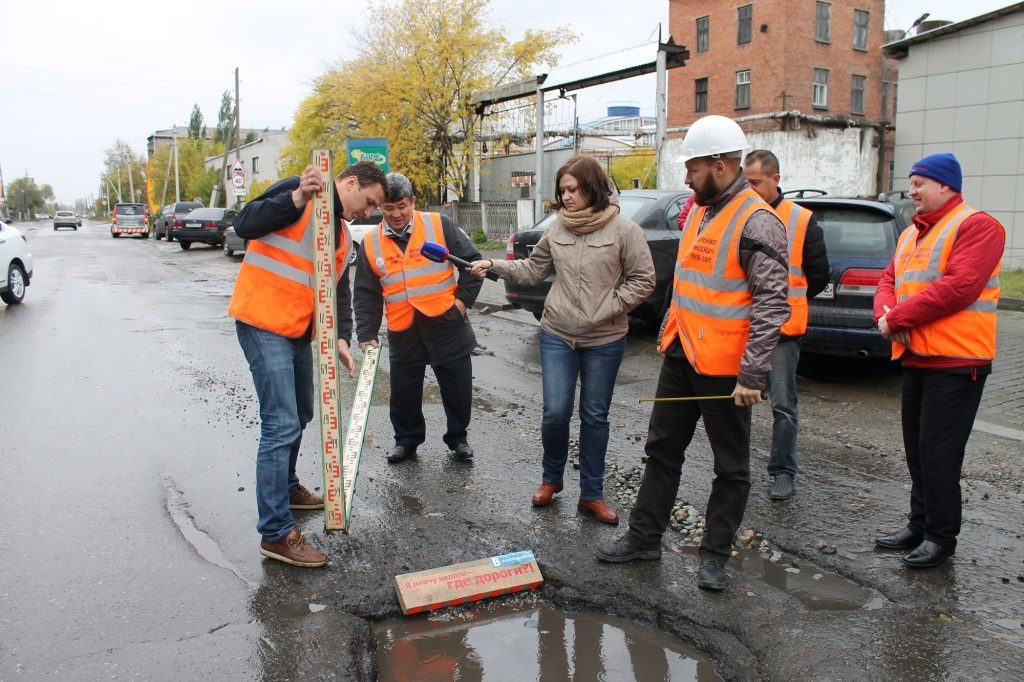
(623, 169)
(412, 83)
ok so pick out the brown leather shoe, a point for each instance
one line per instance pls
(545, 493)
(294, 550)
(600, 511)
(302, 498)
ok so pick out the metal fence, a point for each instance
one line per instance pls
(498, 219)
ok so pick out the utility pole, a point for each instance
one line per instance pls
(177, 186)
(119, 198)
(167, 176)
(238, 134)
(131, 180)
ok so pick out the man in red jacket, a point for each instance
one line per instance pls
(937, 302)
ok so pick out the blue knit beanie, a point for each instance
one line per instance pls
(943, 168)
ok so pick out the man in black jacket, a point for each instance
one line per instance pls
(808, 276)
(427, 323)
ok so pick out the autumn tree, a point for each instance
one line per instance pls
(26, 198)
(195, 123)
(123, 177)
(225, 118)
(640, 165)
(418, 68)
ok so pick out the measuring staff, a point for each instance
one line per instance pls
(273, 305)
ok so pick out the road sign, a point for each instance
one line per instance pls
(238, 191)
(238, 181)
(238, 167)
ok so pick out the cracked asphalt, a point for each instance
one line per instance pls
(127, 445)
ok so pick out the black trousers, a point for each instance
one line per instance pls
(669, 433)
(455, 379)
(938, 416)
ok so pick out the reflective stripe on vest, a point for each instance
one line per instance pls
(275, 284)
(969, 333)
(711, 301)
(410, 282)
(796, 219)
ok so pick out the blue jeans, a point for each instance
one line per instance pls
(596, 368)
(782, 389)
(282, 372)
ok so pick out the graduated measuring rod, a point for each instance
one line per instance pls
(357, 428)
(322, 224)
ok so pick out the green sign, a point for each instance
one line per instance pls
(369, 149)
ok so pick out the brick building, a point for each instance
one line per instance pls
(790, 65)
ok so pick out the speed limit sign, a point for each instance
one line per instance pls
(238, 181)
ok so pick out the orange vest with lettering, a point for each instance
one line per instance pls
(969, 333)
(796, 219)
(409, 281)
(711, 302)
(275, 284)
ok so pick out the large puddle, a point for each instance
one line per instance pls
(539, 642)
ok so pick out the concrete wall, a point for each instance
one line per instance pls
(841, 161)
(496, 174)
(964, 93)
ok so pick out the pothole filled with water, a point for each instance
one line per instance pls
(537, 642)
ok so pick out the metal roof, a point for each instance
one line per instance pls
(900, 48)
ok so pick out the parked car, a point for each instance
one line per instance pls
(130, 219)
(233, 243)
(656, 211)
(205, 225)
(170, 217)
(16, 264)
(66, 219)
(861, 236)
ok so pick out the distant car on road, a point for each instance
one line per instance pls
(16, 264)
(656, 211)
(130, 219)
(233, 243)
(204, 225)
(66, 219)
(170, 217)
(861, 236)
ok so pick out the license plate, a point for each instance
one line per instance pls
(193, 225)
(828, 292)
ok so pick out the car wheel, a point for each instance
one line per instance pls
(184, 244)
(15, 285)
(228, 251)
(75, 228)
(170, 237)
(115, 235)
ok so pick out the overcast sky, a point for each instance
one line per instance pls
(77, 76)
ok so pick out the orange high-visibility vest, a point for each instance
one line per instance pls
(274, 289)
(969, 333)
(711, 302)
(796, 219)
(409, 281)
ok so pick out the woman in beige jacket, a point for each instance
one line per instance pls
(603, 269)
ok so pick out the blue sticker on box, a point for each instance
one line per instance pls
(512, 559)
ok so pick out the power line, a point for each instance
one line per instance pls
(128, 82)
(105, 98)
(117, 60)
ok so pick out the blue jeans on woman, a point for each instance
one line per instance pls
(596, 368)
(282, 372)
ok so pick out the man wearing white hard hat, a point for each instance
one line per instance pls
(728, 303)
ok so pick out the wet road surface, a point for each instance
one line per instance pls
(128, 437)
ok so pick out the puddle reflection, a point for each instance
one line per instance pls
(539, 643)
(816, 589)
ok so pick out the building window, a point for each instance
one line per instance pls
(885, 101)
(255, 165)
(746, 19)
(857, 95)
(823, 22)
(700, 95)
(743, 89)
(703, 37)
(819, 94)
(860, 29)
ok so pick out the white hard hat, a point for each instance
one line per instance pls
(711, 136)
